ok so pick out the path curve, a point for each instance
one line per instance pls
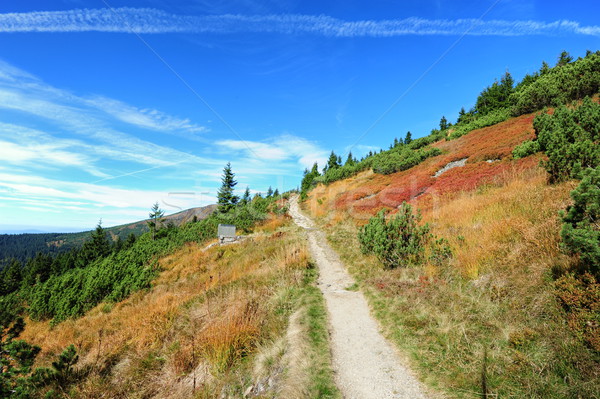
(366, 365)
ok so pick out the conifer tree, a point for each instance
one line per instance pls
(350, 160)
(443, 123)
(408, 138)
(226, 199)
(307, 180)
(97, 247)
(333, 162)
(155, 216)
(545, 68)
(564, 58)
(246, 198)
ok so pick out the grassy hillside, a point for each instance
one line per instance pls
(219, 321)
(496, 307)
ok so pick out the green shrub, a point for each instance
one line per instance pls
(581, 229)
(559, 85)
(400, 241)
(570, 138)
(393, 161)
(16, 359)
(492, 118)
(526, 149)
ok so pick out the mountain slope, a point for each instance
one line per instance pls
(217, 322)
(25, 246)
(492, 309)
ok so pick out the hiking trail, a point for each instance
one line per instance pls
(365, 364)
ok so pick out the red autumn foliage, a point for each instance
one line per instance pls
(493, 143)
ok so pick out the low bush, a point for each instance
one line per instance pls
(402, 159)
(490, 119)
(570, 138)
(399, 241)
(559, 85)
(580, 297)
(581, 229)
(525, 149)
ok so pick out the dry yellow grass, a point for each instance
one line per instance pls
(495, 295)
(511, 225)
(205, 311)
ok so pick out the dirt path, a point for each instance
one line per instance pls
(366, 365)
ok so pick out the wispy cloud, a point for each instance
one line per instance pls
(153, 21)
(145, 118)
(67, 159)
(283, 148)
(115, 205)
(93, 118)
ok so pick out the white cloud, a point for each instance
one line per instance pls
(90, 201)
(26, 94)
(290, 148)
(65, 161)
(153, 21)
(145, 118)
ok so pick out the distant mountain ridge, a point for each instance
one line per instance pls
(24, 245)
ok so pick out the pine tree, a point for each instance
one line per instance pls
(545, 68)
(461, 115)
(350, 160)
(315, 169)
(246, 198)
(581, 229)
(269, 192)
(16, 359)
(333, 161)
(155, 216)
(408, 138)
(443, 123)
(307, 180)
(276, 193)
(131, 238)
(226, 199)
(97, 247)
(564, 58)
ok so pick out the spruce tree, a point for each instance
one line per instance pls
(333, 161)
(443, 123)
(350, 160)
(97, 247)
(155, 215)
(564, 58)
(226, 199)
(246, 198)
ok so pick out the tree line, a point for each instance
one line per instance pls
(568, 80)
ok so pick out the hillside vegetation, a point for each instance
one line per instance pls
(568, 80)
(510, 307)
(158, 316)
(215, 322)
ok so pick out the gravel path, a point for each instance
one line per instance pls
(365, 364)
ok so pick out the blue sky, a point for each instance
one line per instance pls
(109, 106)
